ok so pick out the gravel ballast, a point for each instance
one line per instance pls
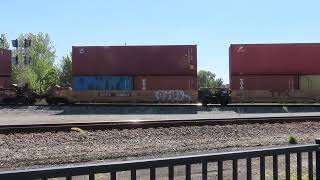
(38, 149)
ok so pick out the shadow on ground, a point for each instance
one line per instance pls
(168, 109)
(126, 110)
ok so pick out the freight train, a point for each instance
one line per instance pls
(259, 73)
(281, 73)
(127, 74)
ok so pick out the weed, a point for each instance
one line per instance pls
(77, 130)
(292, 140)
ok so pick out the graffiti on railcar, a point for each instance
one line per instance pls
(172, 96)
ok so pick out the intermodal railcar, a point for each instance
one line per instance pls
(259, 73)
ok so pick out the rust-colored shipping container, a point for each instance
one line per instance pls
(165, 83)
(5, 62)
(264, 82)
(170, 60)
(274, 59)
(5, 81)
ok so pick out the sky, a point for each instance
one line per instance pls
(211, 24)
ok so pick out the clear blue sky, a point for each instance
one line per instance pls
(211, 24)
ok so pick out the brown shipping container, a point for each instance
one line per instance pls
(265, 82)
(5, 82)
(274, 59)
(5, 62)
(174, 60)
(165, 83)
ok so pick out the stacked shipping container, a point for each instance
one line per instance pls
(274, 59)
(135, 60)
(84, 83)
(5, 68)
(309, 82)
(137, 68)
(282, 68)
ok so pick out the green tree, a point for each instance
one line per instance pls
(4, 44)
(41, 73)
(66, 71)
(208, 79)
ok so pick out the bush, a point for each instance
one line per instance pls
(292, 140)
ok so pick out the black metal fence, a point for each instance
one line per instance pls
(311, 155)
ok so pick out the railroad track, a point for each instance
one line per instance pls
(163, 105)
(33, 128)
(235, 107)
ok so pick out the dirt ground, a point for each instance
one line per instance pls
(24, 150)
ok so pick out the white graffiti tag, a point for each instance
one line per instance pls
(241, 84)
(173, 96)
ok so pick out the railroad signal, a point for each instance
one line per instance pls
(15, 43)
(27, 60)
(27, 43)
(22, 49)
(15, 60)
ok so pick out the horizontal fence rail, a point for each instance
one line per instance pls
(152, 165)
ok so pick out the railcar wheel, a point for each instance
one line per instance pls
(224, 101)
(204, 102)
(50, 101)
(31, 101)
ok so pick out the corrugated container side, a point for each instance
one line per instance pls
(84, 83)
(264, 82)
(5, 62)
(278, 59)
(165, 83)
(175, 60)
(309, 82)
(5, 82)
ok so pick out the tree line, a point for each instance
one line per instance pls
(42, 72)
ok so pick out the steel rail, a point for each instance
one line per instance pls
(133, 124)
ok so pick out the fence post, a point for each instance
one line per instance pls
(318, 160)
